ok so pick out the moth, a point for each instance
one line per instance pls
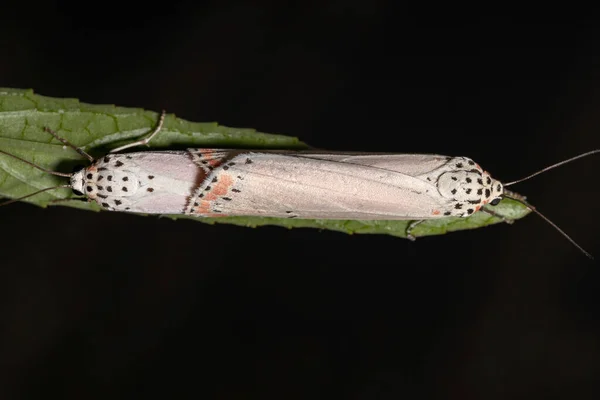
(288, 184)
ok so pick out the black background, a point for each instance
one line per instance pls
(115, 306)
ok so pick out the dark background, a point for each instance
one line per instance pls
(119, 306)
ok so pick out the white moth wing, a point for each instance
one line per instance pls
(176, 165)
(148, 182)
(408, 164)
(287, 185)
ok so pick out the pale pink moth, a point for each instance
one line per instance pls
(288, 184)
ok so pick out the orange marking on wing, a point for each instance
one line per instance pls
(223, 185)
(477, 208)
(204, 207)
(209, 155)
(210, 196)
(436, 212)
(221, 188)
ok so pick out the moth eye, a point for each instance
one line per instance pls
(77, 192)
(495, 201)
(78, 168)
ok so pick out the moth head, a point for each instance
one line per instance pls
(496, 190)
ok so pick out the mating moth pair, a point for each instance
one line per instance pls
(287, 184)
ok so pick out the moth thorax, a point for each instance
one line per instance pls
(106, 183)
(461, 185)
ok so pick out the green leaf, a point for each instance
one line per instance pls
(99, 128)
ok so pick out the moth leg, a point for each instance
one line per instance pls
(495, 214)
(148, 138)
(410, 227)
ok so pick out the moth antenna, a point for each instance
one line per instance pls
(71, 145)
(521, 199)
(33, 194)
(558, 164)
(37, 166)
